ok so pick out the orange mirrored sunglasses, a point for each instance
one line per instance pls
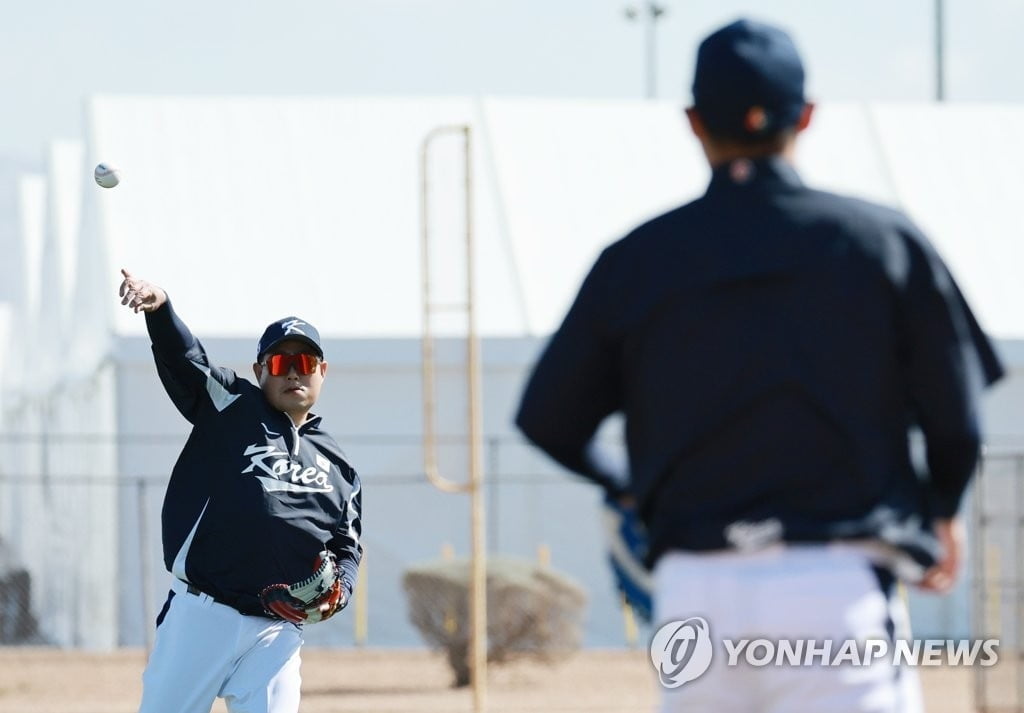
(281, 364)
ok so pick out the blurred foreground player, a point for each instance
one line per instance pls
(771, 347)
(261, 520)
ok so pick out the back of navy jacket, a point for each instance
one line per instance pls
(252, 499)
(771, 347)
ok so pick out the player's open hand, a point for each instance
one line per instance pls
(952, 536)
(140, 295)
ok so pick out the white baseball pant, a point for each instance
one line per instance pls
(827, 592)
(204, 650)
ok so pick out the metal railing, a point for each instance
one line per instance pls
(473, 486)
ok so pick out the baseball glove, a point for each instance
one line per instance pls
(316, 598)
(627, 549)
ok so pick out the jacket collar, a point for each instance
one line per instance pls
(770, 172)
(313, 421)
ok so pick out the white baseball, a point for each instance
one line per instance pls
(106, 176)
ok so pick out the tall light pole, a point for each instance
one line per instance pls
(652, 12)
(940, 54)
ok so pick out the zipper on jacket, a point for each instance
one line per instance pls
(295, 435)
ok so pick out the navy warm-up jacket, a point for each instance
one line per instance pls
(771, 348)
(252, 499)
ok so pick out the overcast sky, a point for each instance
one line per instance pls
(55, 52)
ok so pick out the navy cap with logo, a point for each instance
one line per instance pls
(289, 328)
(749, 81)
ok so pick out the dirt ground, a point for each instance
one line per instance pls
(382, 681)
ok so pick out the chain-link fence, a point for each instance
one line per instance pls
(997, 584)
(81, 562)
(86, 548)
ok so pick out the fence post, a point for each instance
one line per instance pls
(362, 599)
(144, 579)
(1018, 576)
(629, 626)
(493, 497)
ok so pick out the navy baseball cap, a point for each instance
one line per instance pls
(749, 81)
(289, 328)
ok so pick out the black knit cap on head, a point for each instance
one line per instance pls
(749, 81)
(289, 328)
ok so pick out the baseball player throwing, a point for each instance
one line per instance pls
(261, 519)
(771, 347)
